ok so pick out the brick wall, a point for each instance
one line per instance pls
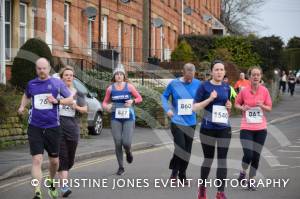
(131, 15)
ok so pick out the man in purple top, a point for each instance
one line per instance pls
(44, 128)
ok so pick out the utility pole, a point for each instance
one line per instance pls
(2, 45)
(146, 29)
(182, 17)
(99, 23)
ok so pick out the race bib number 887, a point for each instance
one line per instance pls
(122, 113)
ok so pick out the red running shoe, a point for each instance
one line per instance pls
(202, 192)
(221, 195)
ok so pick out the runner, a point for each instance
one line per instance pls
(283, 80)
(69, 120)
(233, 94)
(183, 120)
(253, 102)
(241, 83)
(120, 94)
(214, 97)
(44, 130)
(292, 83)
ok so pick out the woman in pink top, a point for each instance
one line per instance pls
(253, 101)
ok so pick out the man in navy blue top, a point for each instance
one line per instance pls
(44, 128)
(183, 120)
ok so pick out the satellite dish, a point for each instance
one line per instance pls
(207, 18)
(125, 1)
(158, 22)
(90, 12)
(217, 24)
(188, 10)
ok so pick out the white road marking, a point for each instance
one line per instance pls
(287, 151)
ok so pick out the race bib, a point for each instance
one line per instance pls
(65, 110)
(122, 113)
(219, 114)
(185, 106)
(254, 115)
(41, 102)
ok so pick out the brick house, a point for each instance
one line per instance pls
(71, 27)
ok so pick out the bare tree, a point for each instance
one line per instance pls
(239, 16)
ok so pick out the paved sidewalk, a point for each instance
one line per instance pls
(16, 161)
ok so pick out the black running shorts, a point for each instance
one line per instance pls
(41, 138)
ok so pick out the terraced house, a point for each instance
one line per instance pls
(127, 31)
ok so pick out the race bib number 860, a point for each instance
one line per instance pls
(185, 106)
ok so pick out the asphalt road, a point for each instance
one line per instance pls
(280, 160)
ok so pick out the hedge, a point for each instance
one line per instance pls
(23, 68)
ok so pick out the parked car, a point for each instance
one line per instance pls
(95, 110)
(298, 77)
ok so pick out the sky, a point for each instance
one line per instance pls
(280, 18)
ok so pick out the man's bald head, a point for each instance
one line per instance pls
(42, 66)
(242, 76)
(189, 70)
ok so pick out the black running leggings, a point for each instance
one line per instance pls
(183, 141)
(252, 143)
(209, 139)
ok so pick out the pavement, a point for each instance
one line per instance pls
(16, 161)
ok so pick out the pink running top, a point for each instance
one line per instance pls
(247, 97)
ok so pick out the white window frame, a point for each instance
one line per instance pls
(132, 42)
(162, 43)
(67, 26)
(34, 10)
(154, 40)
(104, 35)
(23, 24)
(120, 38)
(48, 25)
(90, 36)
(7, 23)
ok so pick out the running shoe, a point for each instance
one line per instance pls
(52, 191)
(65, 192)
(202, 192)
(221, 195)
(129, 157)
(174, 174)
(251, 187)
(121, 171)
(182, 178)
(37, 194)
(242, 178)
